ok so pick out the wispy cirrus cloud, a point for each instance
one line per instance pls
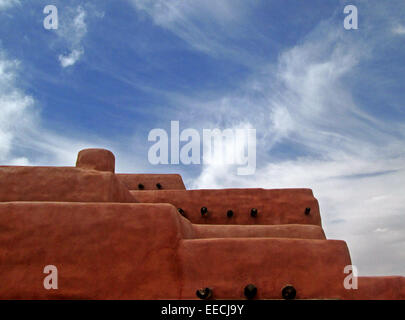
(25, 138)
(206, 25)
(5, 4)
(15, 106)
(72, 30)
(313, 132)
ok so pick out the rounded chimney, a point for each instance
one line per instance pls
(96, 159)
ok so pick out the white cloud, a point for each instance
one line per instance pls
(70, 59)
(72, 30)
(21, 129)
(5, 4)
(14, 106)
(399, 29)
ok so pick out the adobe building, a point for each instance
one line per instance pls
(144, 236)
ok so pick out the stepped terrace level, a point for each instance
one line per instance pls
(144, 236)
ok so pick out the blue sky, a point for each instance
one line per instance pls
(327, 103)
